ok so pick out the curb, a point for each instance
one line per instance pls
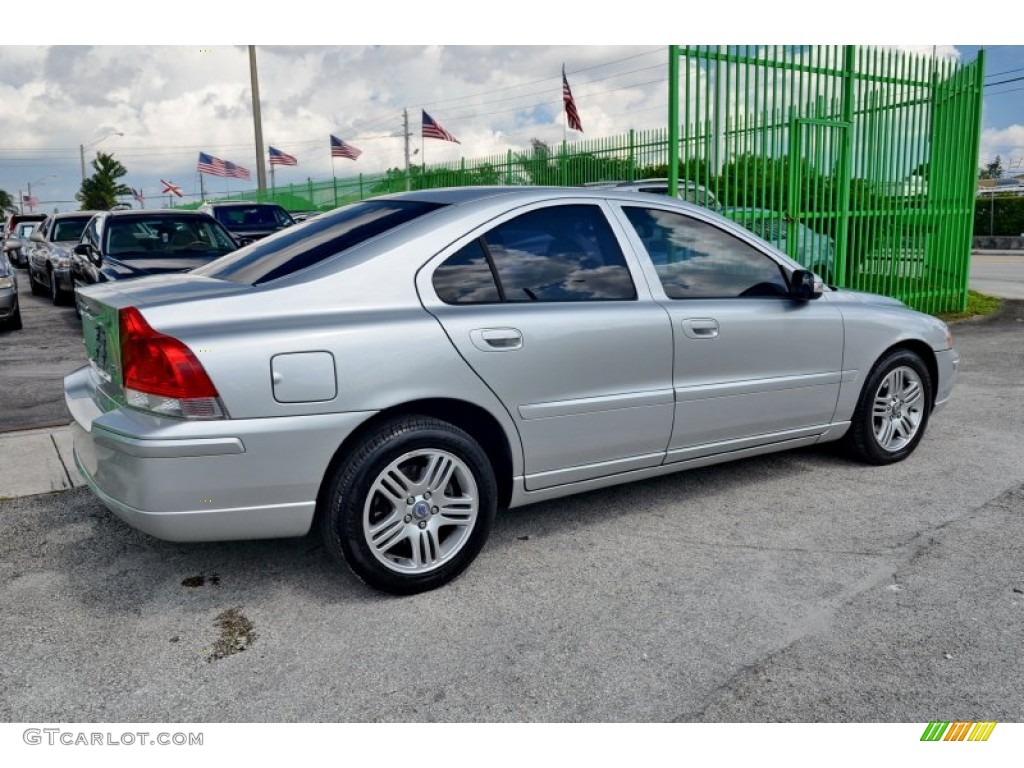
(34, 461)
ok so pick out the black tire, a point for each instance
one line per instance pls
(57, 296)
(13, 323)
(351, 500)
(38, 289)
(863, 441)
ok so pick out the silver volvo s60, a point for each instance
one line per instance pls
(395, 371)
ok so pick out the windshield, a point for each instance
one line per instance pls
(163, 236)
(319, 239)
(67, 230)
(26, 230)
(241, 217)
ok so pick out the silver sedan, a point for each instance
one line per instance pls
(395, 371)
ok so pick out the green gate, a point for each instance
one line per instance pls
(858, 162)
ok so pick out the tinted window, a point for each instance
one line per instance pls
(562, 253)
(163, 236)
(697, 260)
(240, 217)
(466, 277)
(328, 235)
(68, 229)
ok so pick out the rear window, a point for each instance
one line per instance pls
(323, 237)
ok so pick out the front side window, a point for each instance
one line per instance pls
(697, 260)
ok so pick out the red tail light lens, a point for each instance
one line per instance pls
(157, 364)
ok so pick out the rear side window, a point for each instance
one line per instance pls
(560, 253)
(325, 236)
(466, 277)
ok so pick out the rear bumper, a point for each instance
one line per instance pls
(948, 362)
(204, 480)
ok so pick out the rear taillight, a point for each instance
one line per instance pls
(160, 373)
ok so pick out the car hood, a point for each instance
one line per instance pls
(849, 296)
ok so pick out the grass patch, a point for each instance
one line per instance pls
(978, 305)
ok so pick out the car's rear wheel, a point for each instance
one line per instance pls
(893, 410)
(411, 506)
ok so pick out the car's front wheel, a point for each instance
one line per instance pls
(893, 410)
(411, 506)
(57, 296)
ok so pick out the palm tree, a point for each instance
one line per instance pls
(100, 191)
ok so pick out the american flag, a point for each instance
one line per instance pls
(30, 200)
(570, 105)
(277, 157)
(170, 189)
(139, 198)
(214, 166)
(431, 129)
(341, 149)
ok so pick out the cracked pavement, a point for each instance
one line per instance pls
(793, 587)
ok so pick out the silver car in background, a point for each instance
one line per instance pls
(10, 310)
(396, 370)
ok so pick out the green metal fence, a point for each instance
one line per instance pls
(858, 162)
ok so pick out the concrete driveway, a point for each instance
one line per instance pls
(792, 587)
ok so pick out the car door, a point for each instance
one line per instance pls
(752, 366)
(545, 308)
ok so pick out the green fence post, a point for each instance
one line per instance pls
(508, 167)
(673, 120)
(360, 186)
(335, 191)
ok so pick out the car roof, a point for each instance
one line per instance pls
(138, 213)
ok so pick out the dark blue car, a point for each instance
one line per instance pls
(117, 245)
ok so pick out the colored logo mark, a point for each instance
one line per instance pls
(958, 731)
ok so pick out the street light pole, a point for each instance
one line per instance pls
(83, 147)
(261, 168)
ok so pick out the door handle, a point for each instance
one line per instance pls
(700, 328)
(497, 339)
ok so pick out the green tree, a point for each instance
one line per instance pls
(993, 170)
(7, 204)
(100, 191)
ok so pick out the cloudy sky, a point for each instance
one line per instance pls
(173, 101)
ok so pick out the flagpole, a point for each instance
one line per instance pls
(202, 189)
(405, 137)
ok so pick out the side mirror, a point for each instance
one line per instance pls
(82, 249)
(37, 237)
(805, 285)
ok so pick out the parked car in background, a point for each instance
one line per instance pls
(249, 221)
(397, 369)
(689, 191)
(813, 250)
(10, 311)
(49, 255)
(119, 245)
(19, 229)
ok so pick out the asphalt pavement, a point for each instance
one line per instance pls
(792, 587)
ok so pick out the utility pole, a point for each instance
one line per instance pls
(405, 134)
(261, 168)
